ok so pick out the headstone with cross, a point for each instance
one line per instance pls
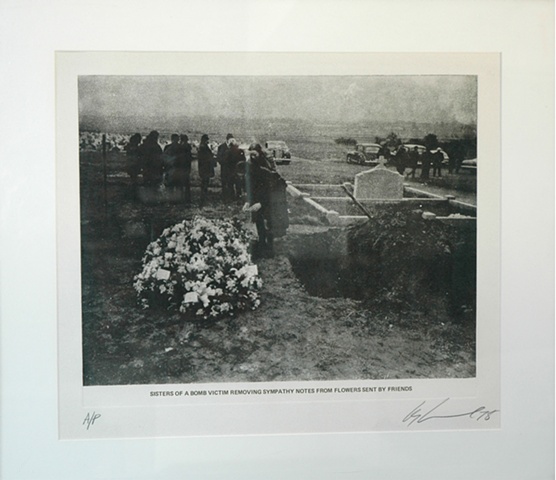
(382, 161)
(379, 183)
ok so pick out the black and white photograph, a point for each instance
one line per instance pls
(260, 231)
(277, 228)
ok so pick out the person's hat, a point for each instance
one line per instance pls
(229, 136)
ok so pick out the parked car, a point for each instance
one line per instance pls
(364, 154)
(249, 150)
(469, 165)
(410, 147)
(279, 151)
(422, 149)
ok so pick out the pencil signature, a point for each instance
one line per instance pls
(422, 413)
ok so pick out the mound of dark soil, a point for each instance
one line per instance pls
(407, 261)
(397, 260)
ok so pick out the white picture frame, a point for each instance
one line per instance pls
(521, 32)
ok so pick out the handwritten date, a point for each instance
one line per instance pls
(422, 413)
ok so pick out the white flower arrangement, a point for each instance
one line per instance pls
(201, 267)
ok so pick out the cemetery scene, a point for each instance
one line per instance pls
(206, 258)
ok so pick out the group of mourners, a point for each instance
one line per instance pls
(404, 159)
(169, 167)
(255, 176)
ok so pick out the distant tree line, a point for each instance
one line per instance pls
(346, 141)
(391, 140)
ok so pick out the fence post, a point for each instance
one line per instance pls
(104, 169)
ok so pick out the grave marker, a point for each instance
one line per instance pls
(379, 183)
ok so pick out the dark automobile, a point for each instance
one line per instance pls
(364, 154)
(469, 165)
(411, 146)
(422, 149)
(279, 151)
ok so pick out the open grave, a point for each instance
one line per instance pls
(386, 242)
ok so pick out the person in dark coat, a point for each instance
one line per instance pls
(150, 153)
(234, 156)
(171, 151)
(221, 155)
(437, 159)
(205, 160)
(133, 165)
(426, 161)
(179, 151)
(402, 160)
(413, 161)
(183, 169)
(266, 199)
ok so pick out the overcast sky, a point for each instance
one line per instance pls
(345, 98)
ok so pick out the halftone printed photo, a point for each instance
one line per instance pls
(259, 236)
(255, 228)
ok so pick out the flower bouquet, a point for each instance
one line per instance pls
(201, 267)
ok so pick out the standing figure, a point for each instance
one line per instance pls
(178, 175)
(426, 164)
(413, 161)
(182, 171)
(171, 152)
(205, 160)
(234, 156)
(452, 163)
(151, 156)
(133, 165)
(266, 200)
(456, 158)
(437, 159)
(402, 159)
(221, 155)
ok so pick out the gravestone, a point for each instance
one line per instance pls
(379, 183)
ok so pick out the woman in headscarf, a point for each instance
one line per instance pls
(266, 200)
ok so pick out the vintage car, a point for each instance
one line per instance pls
(364, 154)
(279, 151)
(249, 151)
(411, 146)
(422, 149)
(469, 165)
